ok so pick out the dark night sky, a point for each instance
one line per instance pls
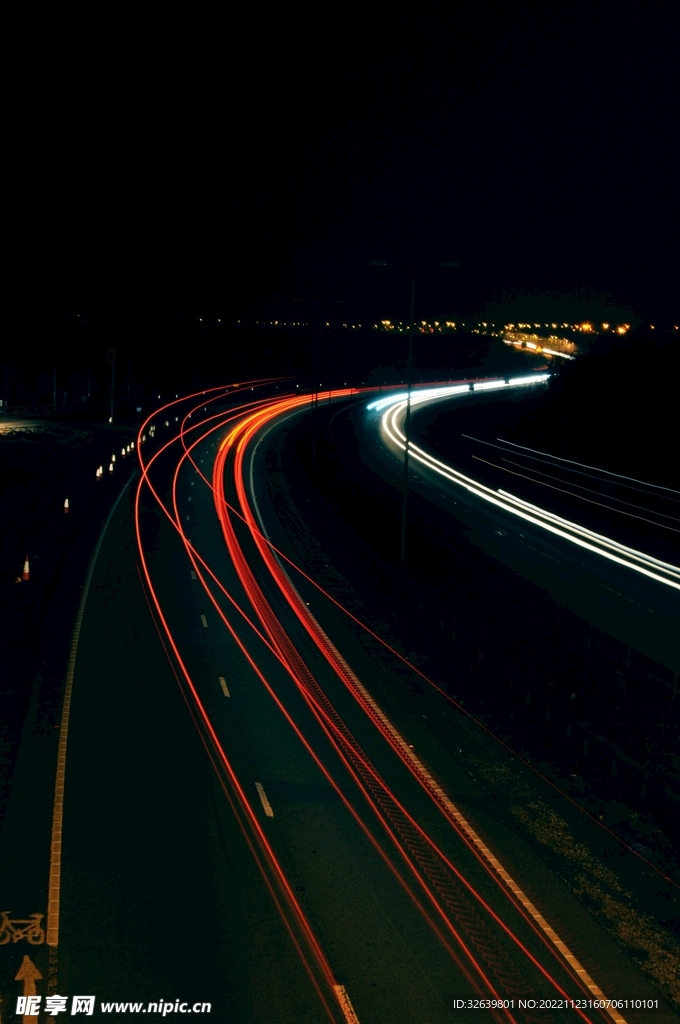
(219, 158)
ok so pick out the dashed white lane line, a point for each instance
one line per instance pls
(193, 575)
(265, 802)
(223, 684)
(204, 621)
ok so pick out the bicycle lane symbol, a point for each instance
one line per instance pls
(16, 929)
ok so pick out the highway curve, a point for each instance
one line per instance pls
(397, 904)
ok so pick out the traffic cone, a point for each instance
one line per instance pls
(110, 467)
(122, 452)
(26, 574)
(65, 506)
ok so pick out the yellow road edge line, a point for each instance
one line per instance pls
(54, 885)
(345, 1004)
(263, 799)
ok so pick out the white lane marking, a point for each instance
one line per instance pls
(263, 798)
(204, 621)
(223, 684)
(585, 465)
(345, 1004)
(193, 575)
(188, 518)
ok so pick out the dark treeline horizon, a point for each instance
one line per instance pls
(69, 357)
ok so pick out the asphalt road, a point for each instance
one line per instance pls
(254, 819)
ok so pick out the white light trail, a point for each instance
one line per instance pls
(448, 390)
(490, 385)
(606, 547)
(420, 396)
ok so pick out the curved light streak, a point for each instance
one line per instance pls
(606, 547)
(449, 390)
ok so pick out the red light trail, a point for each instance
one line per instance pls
(469, 928)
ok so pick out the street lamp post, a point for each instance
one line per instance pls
(407, 424)
(316, 333)
(314, 329)
(112, 361)
(409, 388)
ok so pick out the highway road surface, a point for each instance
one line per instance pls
(262, 831)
